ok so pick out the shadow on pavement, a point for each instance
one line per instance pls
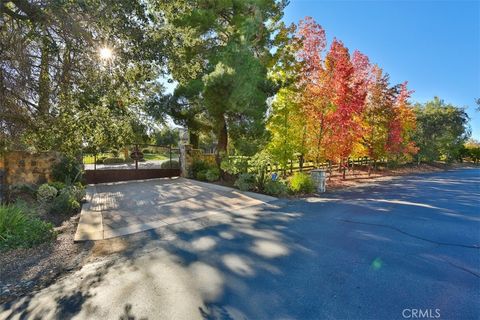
(330, 257)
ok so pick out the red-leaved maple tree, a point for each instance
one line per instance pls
(348, 105)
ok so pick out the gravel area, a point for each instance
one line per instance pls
(25, 270)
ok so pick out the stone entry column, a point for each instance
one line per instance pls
(185, 158)
(185, 152)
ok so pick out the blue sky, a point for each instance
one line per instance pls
(434, 45)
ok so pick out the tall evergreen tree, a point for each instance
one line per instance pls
(225, 46)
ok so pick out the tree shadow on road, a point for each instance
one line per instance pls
(316, 258)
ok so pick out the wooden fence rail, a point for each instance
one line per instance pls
(295, 166)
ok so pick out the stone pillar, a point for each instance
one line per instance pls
(185, 151)
(185, 159)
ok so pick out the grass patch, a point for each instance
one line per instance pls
(19, 228)
(154, 156)
(90, 159)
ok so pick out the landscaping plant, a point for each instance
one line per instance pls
(204, 171)
(301, 183)
(66, 202)
(246, 182)
(170, 164)
(57, 185)
(234, 164)
(68, 170)
(212, 174)
(46, 193)
(275, 187)
(198, 169)
(78, 192)
(201, 175)
(22, 191)
(19, 228)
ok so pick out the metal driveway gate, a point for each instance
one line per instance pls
(135, 162)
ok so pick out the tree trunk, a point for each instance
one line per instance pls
(194, 140)
(222, 136)
(44, 81)
(65, 75)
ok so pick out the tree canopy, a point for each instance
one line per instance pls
(220, 54)
(55, 90)
(245, 82)
(442, 130)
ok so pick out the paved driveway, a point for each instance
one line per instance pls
(379, 253)
(122, 208)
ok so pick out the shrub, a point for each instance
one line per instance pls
(101, 159)
(246, 182)
(66, 203)
(212, 174)
(201, 175)
(23, 188)
(46, 193)
(68, 170)
(22, 191)
(198, 166)
(258, 165)
(57, 185)
(234, 164)
(113, 160)
(78, 192)
(20, 229)
(301, 183)
(174, 164)
(275, 188)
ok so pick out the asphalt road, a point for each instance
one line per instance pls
(401, 250)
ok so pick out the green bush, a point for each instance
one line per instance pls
(68, 170)
(57, 185)
(199, 167)
(20, 229)
(23, 188)
(212, 174)
(201, 175)
(66, 203)
(100, 160)
(234, 164)
(275, 188)
(113, 160)
(174, 164)
(22, 191)
(78, 192)
(245, 182)
(302, 183)
(46, 193)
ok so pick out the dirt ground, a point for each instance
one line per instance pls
(360, 177)
(25, 270)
